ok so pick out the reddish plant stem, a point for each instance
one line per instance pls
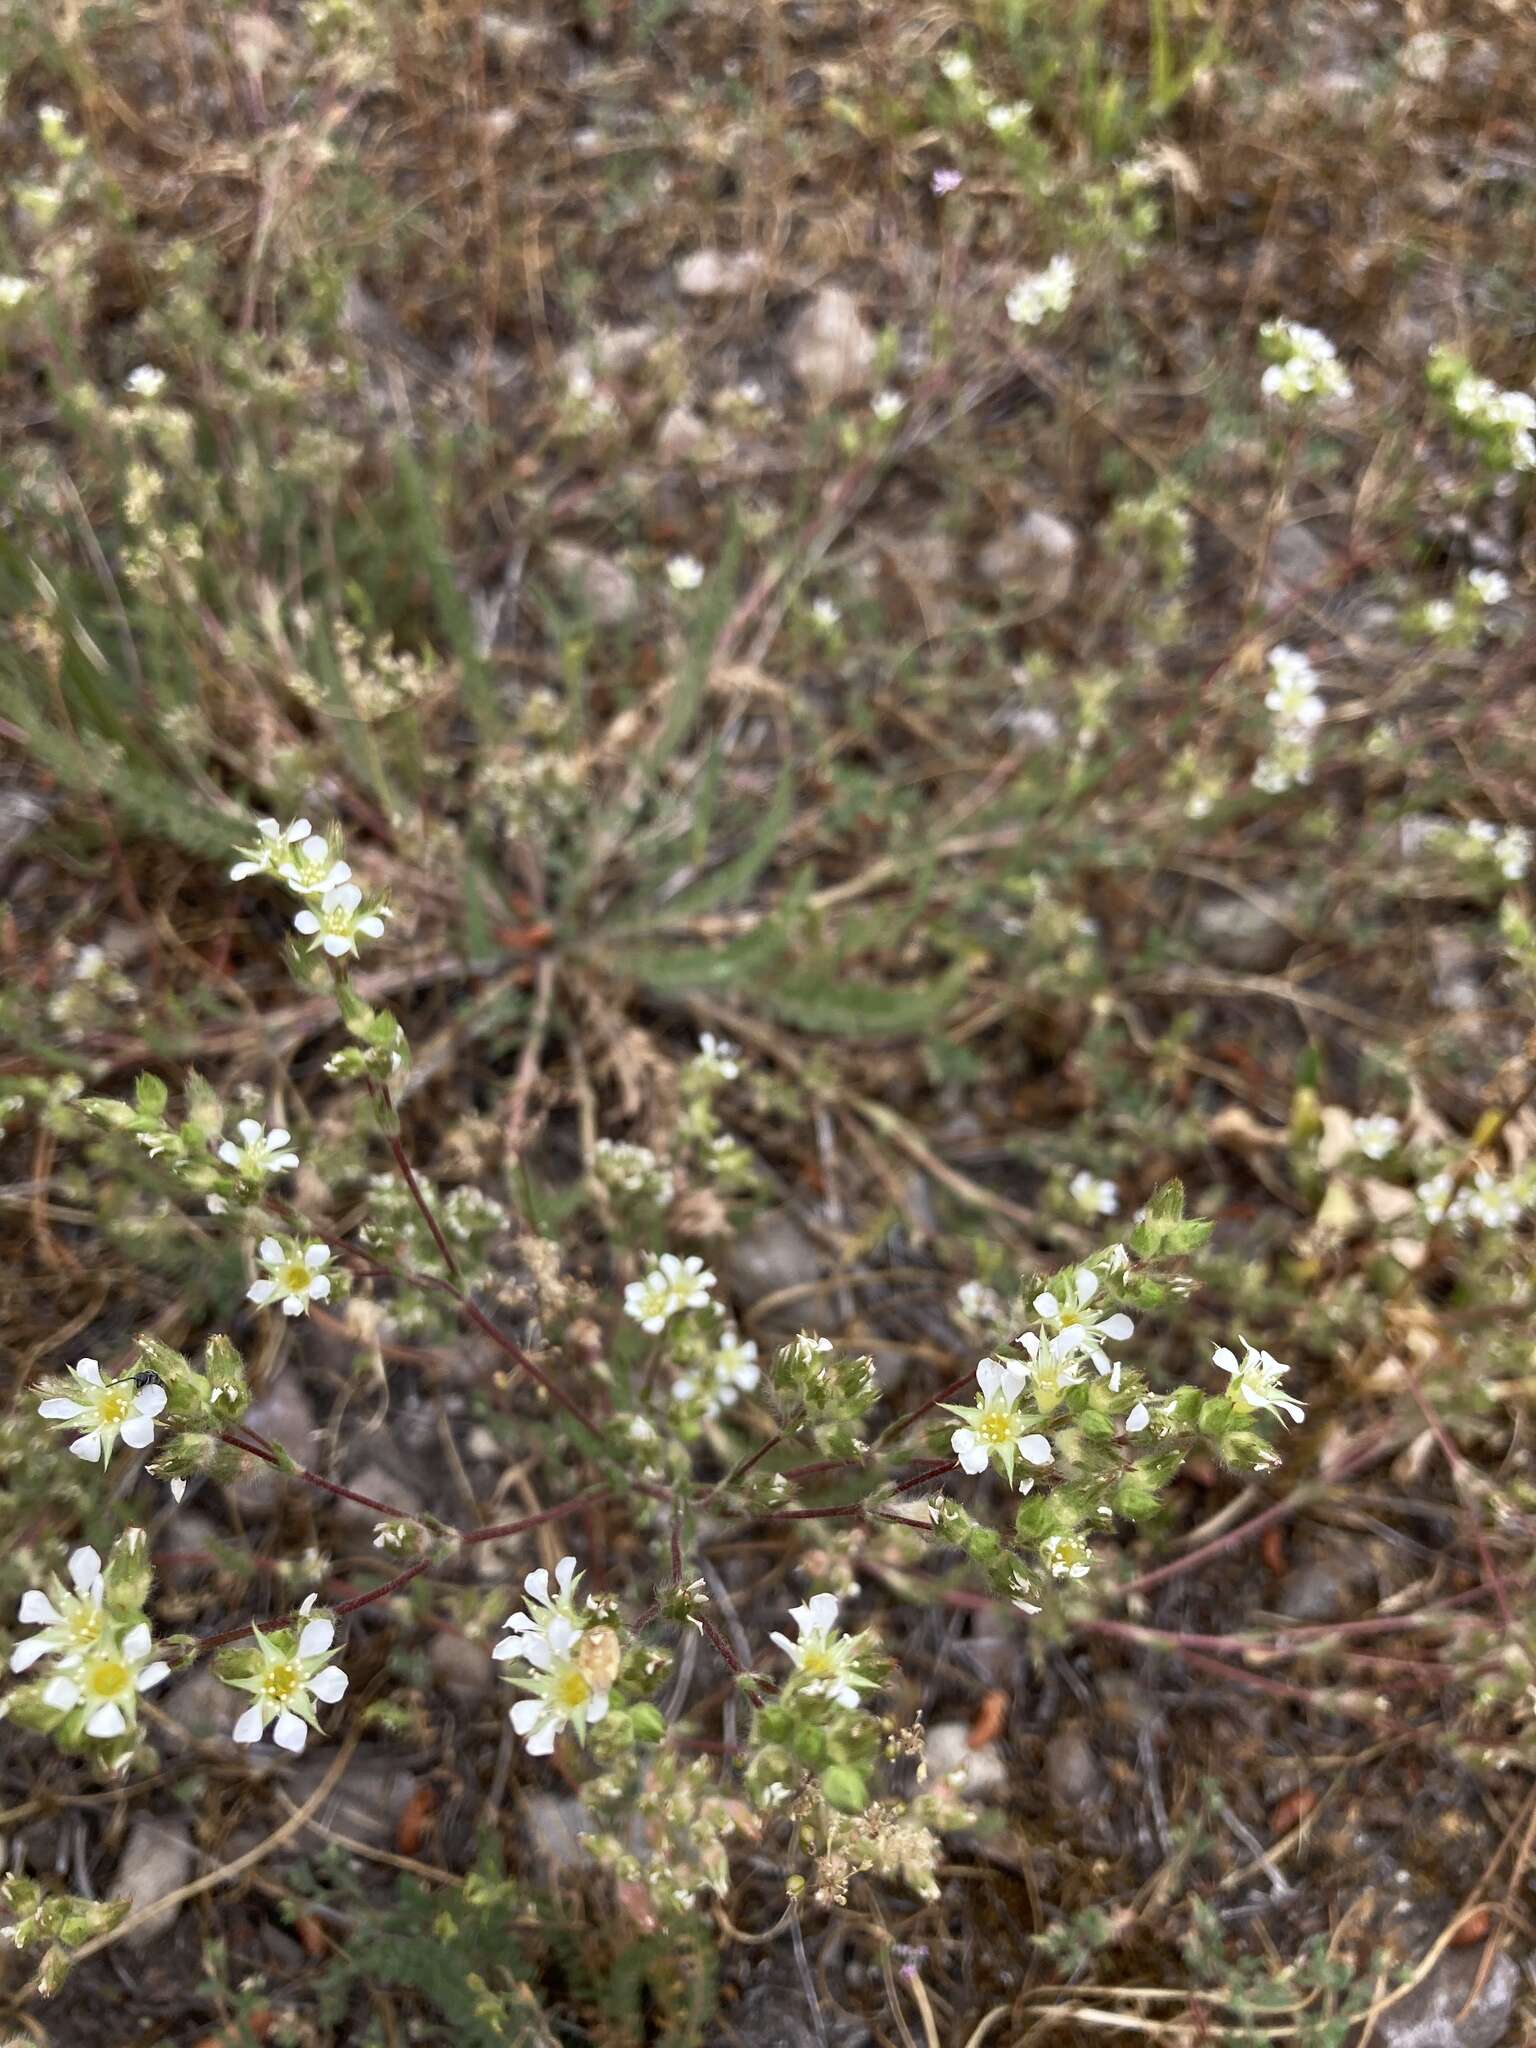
(1458, 1465)
(721, 1647)
(500, 1529)
(397, 1153)
(534, 1371)
(331, 1486)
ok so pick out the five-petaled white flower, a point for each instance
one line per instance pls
(1066, 1557)
(826, 1660)
(107, 1679)
(68, 1623)
(1293, 694)
(685, 572)
(145, 381)
(1376, 1136)
(993, 1428)
(288, 1681)
(259, 1152)
(574, 1660)
(671, 1286)
(718, 1056)
(1494, 1203)
(1093, 1196)
(887, 405)
(271, 848)
(722, 1379)
(979, 1303)
(295, 1275)
(1045, 292)
(341, 921)
(1254, 1382)
(104, 1410)
(1073, 1327)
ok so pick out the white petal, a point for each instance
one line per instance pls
(37, 1610)
(1138, 1419)
(151, 1676)
(149, 1400)
(783, 1642)
(138, 1431)
(565, 1571)
(317, 1638)
(60, 1409)
(1087, 1285)
(248, 1727)
(88, 1369)
(61, 1693)
(249, 1129)
(26, 1654)
(276, 1136)
(136, 1643)
(989, 1375)
(972, 1456)
(524, 1713)
(329, 1685)
(320, 1287)
(315, 1256)
(289, 1732)
(106, 1721)
(597, 1707)
(261, 1292)
(335, 945)
(1037, 1449)
(1226, 1359)
(536, 1586)
(88, 1447)
(1046, 1305)
(537, 1651)
(293, 1305)
(270, 1250)
(823, 1610)
(230, 1154)
(178, 1491)
(542, 1740)
(509, 1646)
(560, 1634)
(1119, 1327)
(307, 923)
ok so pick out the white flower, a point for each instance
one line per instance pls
(260, 1152)
(633, 1170)
(1437, 1197)
(1137, 1419)
(295, 854)
(263, 858)
(827, 1660)
(107, 1680)
(722, 1379)
(1066, 1557)
(718, 1056)
(825, 615)
(945, 180)
(1007, 117)
(956, 66)
(1512, 852)
(671, 1286)
(1045, 292)
(993, 1428)
(145, 382)
(68, 1624)
(1254, 1383)
(1303, 363)
(103, 1411)
(685, 572)
(1439, 616)
(887, 406)
(13, 290)
(1074, 1328)
(1494, 1203)
(1286, 765)
(573, 1662)
(979, 1303)
(295, 1275)
(288, 1681)
(1488, 586)
(1376, 1136)
(340, 921)
(1094, 1197)
(1293, 694)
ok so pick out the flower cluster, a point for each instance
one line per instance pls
(336, 914)
(1044, 294)
(1486, 1200)
(97, 1643)
(1480, 839)
(1295, 704)
(1253, 1382)
(1502, 424)
(573, 1655)
(1303, 364)
(634, 1172)
(1376, 1137)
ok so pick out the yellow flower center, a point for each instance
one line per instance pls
(818, 1661)
(281, 1683)
(107, 1678)
(81, 1629)
(295, 1278)
(994, 1429)
(571, 1691)
(114, 1408)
